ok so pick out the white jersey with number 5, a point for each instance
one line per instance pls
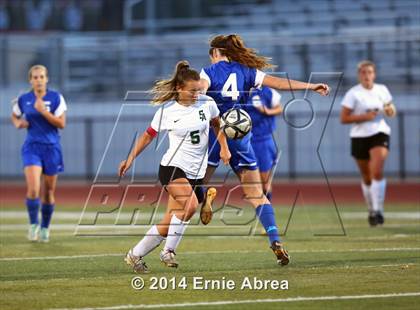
(362, 100)
(188, 132)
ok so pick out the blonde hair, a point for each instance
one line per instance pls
(165, 90)
(366, 63)
(36, 67)
(233, 47)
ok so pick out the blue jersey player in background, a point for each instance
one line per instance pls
(264, 105)
(42, 112)
(234, 71)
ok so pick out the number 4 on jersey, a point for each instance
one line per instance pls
(233, 86)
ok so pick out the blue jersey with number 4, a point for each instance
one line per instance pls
(230, 82)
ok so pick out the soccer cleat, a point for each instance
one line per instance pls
(380, 218)
(44, 235)
(136, 262)
(373, 219)
(283, 257)
(168, 258)
(206, 212)
(33, 233)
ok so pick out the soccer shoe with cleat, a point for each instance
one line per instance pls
(44, 235)
(206, 212)
(136, 262)
(283, 257)
(380, 218)
(33, 233)
(373, 219)
(168, 258)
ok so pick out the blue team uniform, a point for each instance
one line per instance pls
(263, 127)
(229, 85)
(42, 145)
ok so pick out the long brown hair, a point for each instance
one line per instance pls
(233, 47)
(165, 90)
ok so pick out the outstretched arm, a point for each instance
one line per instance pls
(286, 84)
(140, 145)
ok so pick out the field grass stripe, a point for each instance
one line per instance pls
(238, 302)
(209, 252)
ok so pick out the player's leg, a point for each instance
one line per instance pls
(206, 212)
(182, 205)
(360, 152)
(33, 186)
(48, 205)
(364, 168)
(253, 191)
(378, 156)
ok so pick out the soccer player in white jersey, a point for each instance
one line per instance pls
(187, 116)
(364, 106)
(42, 112)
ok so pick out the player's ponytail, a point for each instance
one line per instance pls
(165, 90)
(233, 47)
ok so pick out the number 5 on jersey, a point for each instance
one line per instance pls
(232, 85)
(195, 137)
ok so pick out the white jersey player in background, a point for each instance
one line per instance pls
(364, 106)
(187, 116)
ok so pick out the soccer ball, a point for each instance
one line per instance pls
(236, 123)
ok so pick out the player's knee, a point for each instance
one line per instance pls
(377, 175)
(49, 196)
(32, 193)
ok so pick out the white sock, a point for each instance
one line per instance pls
(150, 241)
(175, 232)
(377, 190)
(368, 196)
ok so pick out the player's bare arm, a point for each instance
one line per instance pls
(57, 121)
(221, 138)
(287, 84)
(347, 116)
(19, 122)
(140, 145)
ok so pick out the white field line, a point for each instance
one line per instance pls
(255, 301)
(215, 252)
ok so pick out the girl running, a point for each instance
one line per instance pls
(364, 106)
(187, 116)
(42, 112)
(234, 71)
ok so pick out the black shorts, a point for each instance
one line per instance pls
(360, 146)
(170, 173)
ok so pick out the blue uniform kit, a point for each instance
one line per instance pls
(42, 144)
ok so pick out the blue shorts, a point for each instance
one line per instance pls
(47, 156)
(267, 158)
(243, 156)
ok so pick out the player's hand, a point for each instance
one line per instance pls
(322, 89)
(225, 155)
(390, 110)
(22, 123)
(370, 115)
(39, 105)
(124, 166)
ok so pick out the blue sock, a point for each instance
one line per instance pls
(269, 195)
(46, 211)
(32, 205)
(267, 219)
